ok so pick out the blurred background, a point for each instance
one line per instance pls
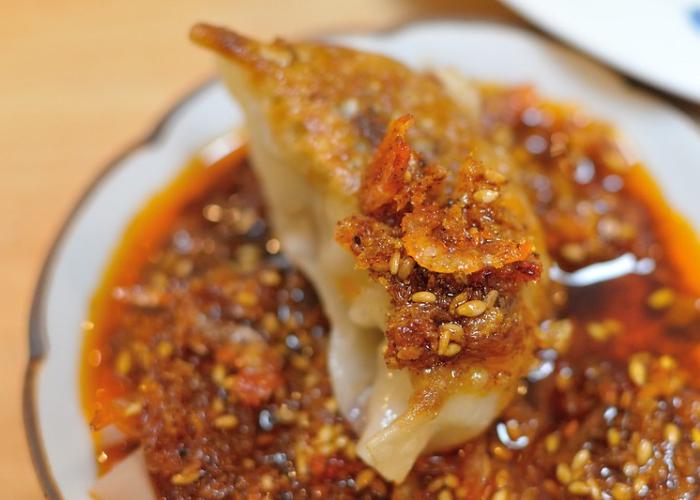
(81, 81)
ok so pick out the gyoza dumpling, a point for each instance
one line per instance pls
(414, 232)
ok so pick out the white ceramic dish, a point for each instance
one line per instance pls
(656, 41)
(665, 139)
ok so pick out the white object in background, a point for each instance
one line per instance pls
(654, 41)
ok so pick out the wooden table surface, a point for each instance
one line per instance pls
(80, 81)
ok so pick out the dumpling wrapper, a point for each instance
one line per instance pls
(316, 115)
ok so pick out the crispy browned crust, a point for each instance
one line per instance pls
(331, 105)
(466, 247)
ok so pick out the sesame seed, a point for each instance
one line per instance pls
(246, 298)
(486, 195)
(556, 334)
(551, 442)
(630, 469)
(500, 495)
(445, 495)
(452, 350)
(672, 433)
(640, 486)
(494, 176)
(472, 308)
(451, 481)
(325, 434)
(443, 342)
(454, 330)
(563, 473)
(394, 263)
(637, 371)
(621, 491)
(458, 300)
(579, 488)
(613, 437)
(185, 477)
(405, 268)
(183, 268)
(270, 322)
(164, 349)
(226, 422)
(217, 406)
(133, 408)
(102, 457)
(364, 478)
(502, 478)
(502, 452)
(409, 353)
(270, 277)
(478, 377)
(581, 458)
(491, 298)
(644, 451)
(267, 482)
(435, 484)
(661, 299)
(695, 436)
(424, 297)
(597, 331)
(218, 373)
(667, 362)
(123, 363)
(573, 252)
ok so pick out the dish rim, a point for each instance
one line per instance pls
(38, 346)
(37, 338)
